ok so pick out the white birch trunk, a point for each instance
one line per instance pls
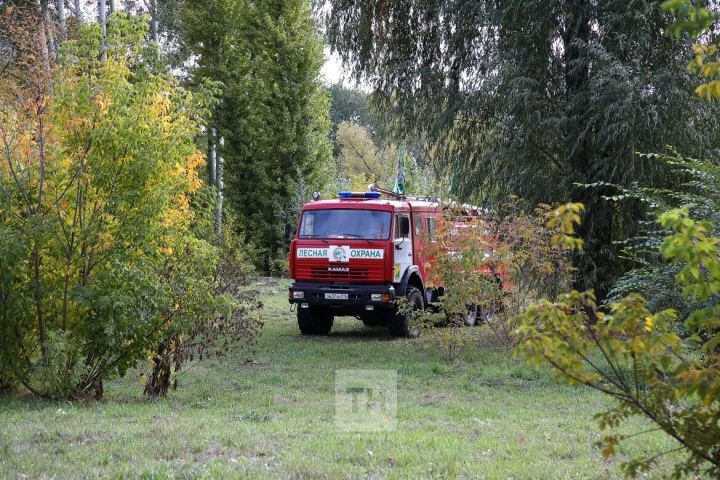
(61, 18)
(212, 158)
(220, 190)
(78, 11)
(101, 21)
(112, 7)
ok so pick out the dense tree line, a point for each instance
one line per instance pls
(545, 100)
(272, 110)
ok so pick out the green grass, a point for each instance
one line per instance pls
(486, 415)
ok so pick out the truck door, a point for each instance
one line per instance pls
(403, 245)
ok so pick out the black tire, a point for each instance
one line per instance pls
(398, 325)
(314, 321)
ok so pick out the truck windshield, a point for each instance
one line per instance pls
(345, 223)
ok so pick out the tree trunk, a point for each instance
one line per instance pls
(169, 355)
(37, 256)
(78, 11)
(154, 20)
(61, 19)
(43, 33)
(212, 158)
(112, 7)
(596, 228)
(220, 190)
(101, 21)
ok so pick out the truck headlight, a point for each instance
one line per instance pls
(376, 297)
(298, 294)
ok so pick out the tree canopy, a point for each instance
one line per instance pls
(538, 99)
(272, 112)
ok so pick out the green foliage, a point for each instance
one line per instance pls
(694, 18)
(694, 183)
(635, 356)
(99, 262)
(500, 263)
(360, 162)
(352, 106)
(273, 113)
(531, 98)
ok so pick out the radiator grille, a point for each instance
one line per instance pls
(320, 273)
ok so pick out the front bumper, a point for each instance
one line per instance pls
(358, 296)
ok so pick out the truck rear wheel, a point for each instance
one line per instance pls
(398, 325)
(314, 321)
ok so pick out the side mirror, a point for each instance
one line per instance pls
(404, 227)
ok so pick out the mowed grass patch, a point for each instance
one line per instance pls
(271, 414)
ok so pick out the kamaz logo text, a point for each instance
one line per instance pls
(338, 269)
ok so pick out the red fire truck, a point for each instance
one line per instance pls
(357, 254)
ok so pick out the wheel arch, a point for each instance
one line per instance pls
(411, 277)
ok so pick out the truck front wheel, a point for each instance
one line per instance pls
(314, 320)
(398, 325)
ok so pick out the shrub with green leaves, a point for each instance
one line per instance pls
(99, 264)
(634, 355)
(498, 263)
(691, 182)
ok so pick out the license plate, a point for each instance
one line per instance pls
(336, 296)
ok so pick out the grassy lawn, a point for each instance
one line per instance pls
(271, 414)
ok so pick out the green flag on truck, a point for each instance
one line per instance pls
(400, 177)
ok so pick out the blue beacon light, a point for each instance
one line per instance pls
(374, 195)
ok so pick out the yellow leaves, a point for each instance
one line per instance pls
(563, 221)
(103, 101)
(649, 323)
(637, 345)
(708, 69)
(105, 241)
(702, 49)
(194, 161)
(709, 90)
(66, 162)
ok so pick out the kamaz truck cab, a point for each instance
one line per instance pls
(356, 255)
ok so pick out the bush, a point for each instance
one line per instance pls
(691, 182)
(499, 262)
(636, 357)
(99, 264)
